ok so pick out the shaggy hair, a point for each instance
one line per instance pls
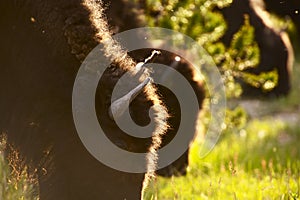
(124, 15)
(119, 56)
(51, 39)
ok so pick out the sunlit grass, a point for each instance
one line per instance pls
(260, 162)
(15, 184)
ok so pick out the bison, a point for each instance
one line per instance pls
(42, 46)
(179, 166)
(276, 51)
(124, 16)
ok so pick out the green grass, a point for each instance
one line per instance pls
(15, 183)
(260, 162)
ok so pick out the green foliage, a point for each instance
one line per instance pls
(243, 55)
(266, 80)
(202, 22)
(243, 51)
(15, 184)
(193, 18)
(199, 20)
(236, 119)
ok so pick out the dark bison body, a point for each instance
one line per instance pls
(179, 166)
(42, 46)
(275, 48)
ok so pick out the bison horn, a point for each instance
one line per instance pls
(119, 106)
(140, 65)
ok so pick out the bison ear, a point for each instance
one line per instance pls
(118, 107)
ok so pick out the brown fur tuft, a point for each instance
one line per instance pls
(116, 54)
